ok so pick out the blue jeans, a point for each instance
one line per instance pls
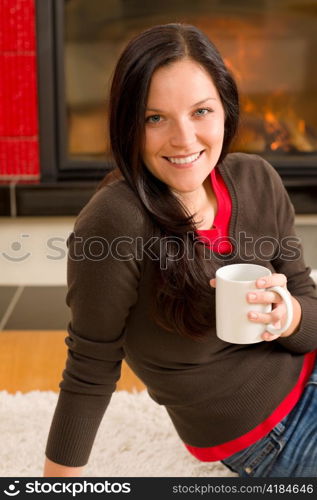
(290, 449)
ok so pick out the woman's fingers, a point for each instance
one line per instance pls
(274, 279)
(264, 298)
(275, 316)
(268, 337)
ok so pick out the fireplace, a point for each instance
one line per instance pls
(269, 45)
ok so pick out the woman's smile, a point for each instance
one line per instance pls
(184, 161)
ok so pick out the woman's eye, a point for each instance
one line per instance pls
(202, 111)
(153, 119)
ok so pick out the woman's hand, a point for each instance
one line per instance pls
(277, 316)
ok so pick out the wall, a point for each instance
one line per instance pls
(34, 250)
(19, 140)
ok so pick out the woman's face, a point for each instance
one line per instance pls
(184, 126)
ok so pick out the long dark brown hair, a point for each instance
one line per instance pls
(182, 299)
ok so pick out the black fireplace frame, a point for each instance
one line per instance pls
(298, 172)
(55, 165)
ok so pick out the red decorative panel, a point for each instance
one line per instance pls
(19, 148)
(17, 25)
(19, 158)
(18, 103)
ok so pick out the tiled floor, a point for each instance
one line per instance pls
(33, 308)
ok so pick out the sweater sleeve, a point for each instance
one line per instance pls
(103, 277)
(289, 260)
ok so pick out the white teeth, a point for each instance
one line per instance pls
(187, 159)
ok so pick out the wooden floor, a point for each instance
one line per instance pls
(34, 360)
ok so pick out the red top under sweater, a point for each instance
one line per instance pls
(217, 239)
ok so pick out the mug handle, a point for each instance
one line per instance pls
(289, 310)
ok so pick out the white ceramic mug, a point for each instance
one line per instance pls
(233, 283)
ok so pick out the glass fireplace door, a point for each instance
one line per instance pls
(269, 45)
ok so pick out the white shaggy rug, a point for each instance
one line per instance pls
(136, 439)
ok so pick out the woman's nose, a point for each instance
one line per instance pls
(182, 134)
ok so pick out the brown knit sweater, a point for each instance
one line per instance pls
(213, 391)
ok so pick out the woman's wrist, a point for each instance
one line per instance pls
(52, 469)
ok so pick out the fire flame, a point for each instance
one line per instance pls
(273, 124)
(274, 127)
(278, 131)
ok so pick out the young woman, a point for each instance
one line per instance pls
(142, 259)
